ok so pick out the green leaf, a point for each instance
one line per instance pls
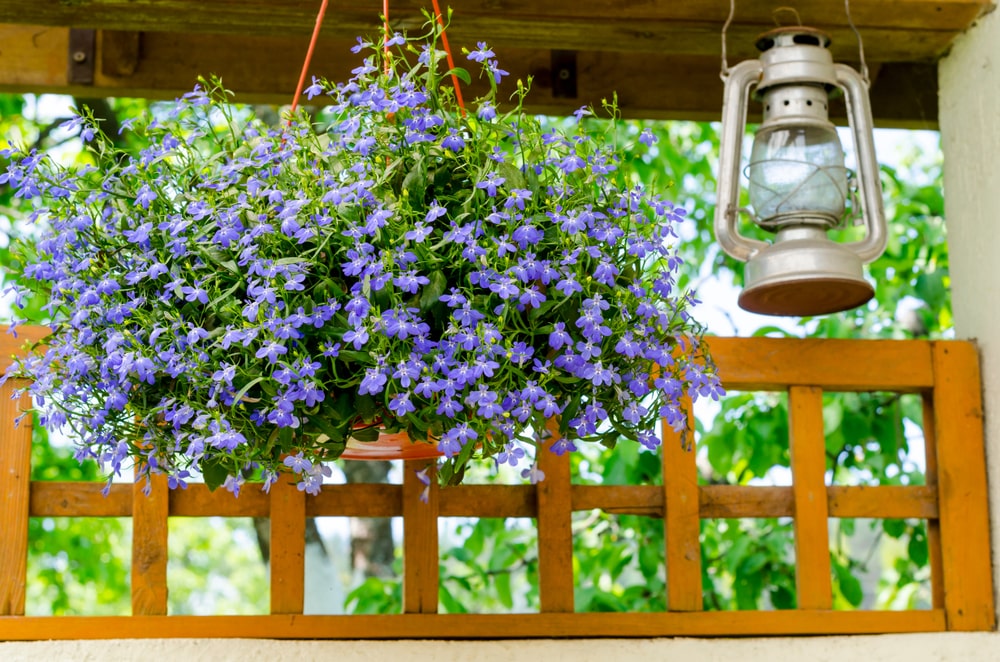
(433, 290)
(849, 585)
(365, 434)
(502, 582)
(214, 473)
(462, 74)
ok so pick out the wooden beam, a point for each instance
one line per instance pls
(476, 626)
(264, 69)
(15, 477)
(421, 558)
(149, 546)
(919, 29)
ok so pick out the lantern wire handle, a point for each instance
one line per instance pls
(861, 45)
(724, 73)
(790, 10)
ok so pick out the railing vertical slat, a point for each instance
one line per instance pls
(813, 583)
(933, 525)
(555, 528)
(682, 523)
(288, 546)
(962, 495)
(149, 546)
(420, 539)
(15, 476)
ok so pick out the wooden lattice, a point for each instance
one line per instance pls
(954, 502)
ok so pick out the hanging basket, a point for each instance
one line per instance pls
(390, 446)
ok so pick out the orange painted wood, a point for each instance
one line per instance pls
(882, 501)
(288, 546)
(15, 480)
(681, 522)
(814, 588)
(773, 364)
(489, 501)
(356, 500)
(555, 533)
(11, 346)
(420, 539)
(149, 547)
(80, 499)
(476, 626)
(933, 526)
(198, 501)
(961, 464)
(736, 501)
(644, 500)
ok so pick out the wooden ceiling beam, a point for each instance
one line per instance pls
(264, 69)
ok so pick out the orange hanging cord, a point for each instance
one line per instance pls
(309, 54)
(385, 14)
(447, 52)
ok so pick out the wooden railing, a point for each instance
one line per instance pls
(953, 501)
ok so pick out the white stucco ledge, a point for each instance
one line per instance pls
(907, 647)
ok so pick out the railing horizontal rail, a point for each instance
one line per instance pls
(476, 626)
(84, 499)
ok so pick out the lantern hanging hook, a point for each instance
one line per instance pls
(724, 74)
(789, 10)
(861, 45)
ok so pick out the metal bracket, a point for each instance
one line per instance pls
(82, 56)
(564, 74)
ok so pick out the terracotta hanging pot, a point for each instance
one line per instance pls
(390, 446)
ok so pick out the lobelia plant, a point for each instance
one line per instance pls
(240, 300)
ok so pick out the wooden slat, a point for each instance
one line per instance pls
(84, 499)
(15, 479)
(555, 533)
(288, 545)
(491, 501)
(681, 522)
(420, 539)
(813, 584)
(773, 364)
(933, 526)
(10, 345)
(882, 501)
(264, 69)
(477, 626)
(198, 501)
(149, 547)
(356, 500)
(963, 499)
(80, 499)
(736, 501)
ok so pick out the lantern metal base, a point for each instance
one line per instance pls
(802, 274)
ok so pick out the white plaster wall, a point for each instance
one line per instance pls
(970, 125)
(906, 648)
(970, 132)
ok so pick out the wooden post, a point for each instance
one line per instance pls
(288, 546)
(682, 522)
(933, 525)
(962, 496)
(813, 583)
(555, 531)
(149, 547)
(420, 539)
(15, 485)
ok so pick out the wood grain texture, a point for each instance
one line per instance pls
(813, 584)
(477, 626)
(420, 538)
(264, 68)
(288, 546)
(681, 522)
(555, 533)
(149, 547)
(15, 480)
(961, 471)
(80, 499)
(933, 526)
